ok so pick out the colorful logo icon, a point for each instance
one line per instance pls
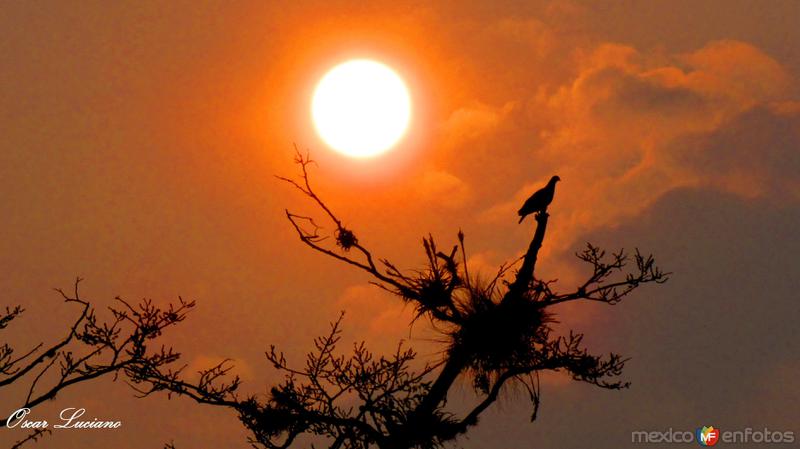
(707, 436)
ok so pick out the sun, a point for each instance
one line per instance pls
(361, 108)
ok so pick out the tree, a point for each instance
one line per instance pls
(91, 348)
(496, 333)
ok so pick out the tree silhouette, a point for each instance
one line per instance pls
(92, 348)
(495, 332)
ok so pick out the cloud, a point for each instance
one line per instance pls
(534, 34)
(737, 70)
(375, 315)
(468, 123)
(631, 126)
(755, 154)
(443, 189)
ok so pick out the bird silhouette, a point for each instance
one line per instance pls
(539, 201)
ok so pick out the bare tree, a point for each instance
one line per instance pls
(90, 349)
(496, 332)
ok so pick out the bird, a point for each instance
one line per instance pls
(539, 201)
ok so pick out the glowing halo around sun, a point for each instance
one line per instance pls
(361, 108)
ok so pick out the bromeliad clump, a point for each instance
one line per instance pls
(346, 239)
(432, 289)
(499, 335)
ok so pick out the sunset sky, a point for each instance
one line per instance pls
(139, 144)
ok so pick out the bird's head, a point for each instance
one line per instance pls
(554, 179)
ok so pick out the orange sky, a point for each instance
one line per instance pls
(140, 143)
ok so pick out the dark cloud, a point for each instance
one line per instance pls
(640, 97)
(759, 149)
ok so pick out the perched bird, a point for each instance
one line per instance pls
(539, 201)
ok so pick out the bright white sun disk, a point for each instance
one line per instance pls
(361, 108)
